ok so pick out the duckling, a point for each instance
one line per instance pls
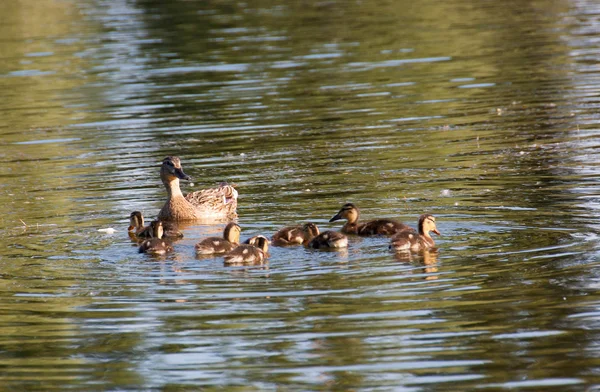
(136, 226)
(326, 240)
(207, 204)
(156, 245)
(291, 235)
(411, 240)
(253, 253)
(351, 213)
(216, 245)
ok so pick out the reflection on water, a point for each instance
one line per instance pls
(481, 113)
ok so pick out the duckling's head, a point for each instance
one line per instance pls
(348, 211)
(157, 229)
(136, 220)
(427, 224)
(310, 231)
(261, 242)
(232, 232)
(171, 169)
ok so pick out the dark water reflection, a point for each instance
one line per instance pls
(481, 113)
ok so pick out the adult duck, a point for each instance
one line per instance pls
(414, 241)
(351, 213)
(208, 204)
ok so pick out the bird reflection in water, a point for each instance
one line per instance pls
(427, 257)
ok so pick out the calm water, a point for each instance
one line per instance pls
(482, 113)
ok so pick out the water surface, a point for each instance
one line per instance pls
(481, 113)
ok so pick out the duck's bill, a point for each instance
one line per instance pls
(180, 174)
(337, 216)
(436, 232)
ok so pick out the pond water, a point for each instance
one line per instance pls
(482, 113)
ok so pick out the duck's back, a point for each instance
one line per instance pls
(293, 235)
(407, 240)
(155, 246)
(221, 201)
(214, 245)
(245, 254)
(385, 227)
(329, 239)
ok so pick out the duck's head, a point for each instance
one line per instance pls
(310, 231)
(259, 241)
(136, 220)
(427, 224)
(232, 232)
(171, 169)
(348, 211)
(157, 229)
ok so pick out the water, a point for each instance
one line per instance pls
(481, 113)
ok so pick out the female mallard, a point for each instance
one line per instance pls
(254, 252)
(208, 204)
(136, 225)
(325, 240)
(156, 245)
(216, 245)
(375, 227)
(292, 235)
(411, 240)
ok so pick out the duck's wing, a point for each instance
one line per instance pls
(222, 199)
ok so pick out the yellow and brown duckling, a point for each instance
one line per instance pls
(205, 205)
(411, 240)
(351, 213)
(292, 235)
(255, 252)
(218, 245)
(326, 240)
(156, 245)
(136, 226)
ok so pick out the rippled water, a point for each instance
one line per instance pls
(484, 114)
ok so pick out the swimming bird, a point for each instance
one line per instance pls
(351, 213)
(136, 226)
(207, 204)
(253, 253)
(156, 245)
(291, 235)
(326, 240)
(411, 240)
(216, 245)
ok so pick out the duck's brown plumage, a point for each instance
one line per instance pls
(351, 213)
(218, 245)
(292, 235)
(214, 204)
(136, 225)
(156, 245)
(329, 239)
(413, 240)
(249, 254)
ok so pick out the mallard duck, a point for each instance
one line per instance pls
(375, 227)
(136, 225)
(216, 245)
(156, 245)
(412, 240)
(254, 252)
(292, 235)
(207, 204)
(326, 240)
